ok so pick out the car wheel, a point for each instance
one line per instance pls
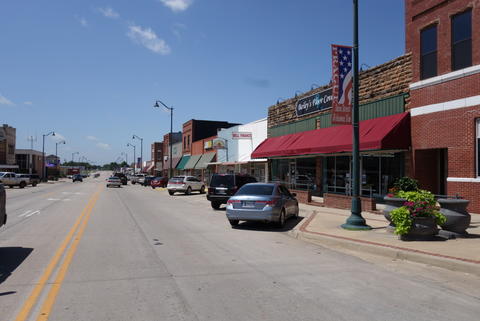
(202, 190)
(153, 187)
(171, 192)
(233, 222)
(134, 183)
(189, 191)
(215, 205)
(281, 220)
(34, 184)
(22, 184)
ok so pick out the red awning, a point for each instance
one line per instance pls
(383, 133)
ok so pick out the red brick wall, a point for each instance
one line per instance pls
(345, 202)
(468, 191)
(187, 132)
(302, 196)
(422, 13)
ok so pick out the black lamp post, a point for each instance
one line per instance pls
(355, 221)
(56, 149)
(44, 168)
(170, 172)
(134, 158)
(141, 148)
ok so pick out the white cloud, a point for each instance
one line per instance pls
(177, 5)
(5, 101)
(83, 22)
(28, 103)
(103, 146)
(149, 39)
(93, 138)
(109, 12)
(178, 29)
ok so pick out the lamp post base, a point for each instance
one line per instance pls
(356, 223)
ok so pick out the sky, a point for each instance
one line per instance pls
(91, 70)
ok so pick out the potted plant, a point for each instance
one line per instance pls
(394, 201)
(417, 219)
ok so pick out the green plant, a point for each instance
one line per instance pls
(419, 203)
(406, 184)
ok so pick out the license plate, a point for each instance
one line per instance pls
(223, 192)
(248, 204)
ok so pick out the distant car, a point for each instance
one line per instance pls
(147, 180)
(223, 186)
(138, 178)
(122, 177)
(77, 178)
(185, 184)
(3, 213)
(32, 178)
(265, 202)
(69, 176)
(114, 181)
(159, 182)
(11, 179)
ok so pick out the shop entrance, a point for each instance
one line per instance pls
(431, 169)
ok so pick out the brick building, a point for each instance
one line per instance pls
(29, 161)
(176, 138)
(8, 136)
(444, 40)
(157, 156)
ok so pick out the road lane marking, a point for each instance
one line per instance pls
(24, 213)
(37, 290)
(55, 288)
(33, 213)
(53, 199)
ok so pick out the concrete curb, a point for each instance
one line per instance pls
(394, 252)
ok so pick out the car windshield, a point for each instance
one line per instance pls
(222, 180)
(255, 189)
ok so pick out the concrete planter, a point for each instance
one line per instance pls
(423, 229)
(455, 210)
(391, 203)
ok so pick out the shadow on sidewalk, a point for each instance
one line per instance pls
(270, 227)
(10, 259)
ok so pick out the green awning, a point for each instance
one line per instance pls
(183, 162)
(204, 160)
(192, 161)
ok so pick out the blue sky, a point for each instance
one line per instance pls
(91, 70)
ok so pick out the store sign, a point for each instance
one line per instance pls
(241, 135)
(218, 144)
(314, 103)
(208, 144)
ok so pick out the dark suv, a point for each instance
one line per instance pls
(123, 178)
(222, 186)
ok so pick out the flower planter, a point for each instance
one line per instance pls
(391, 204)
(455, 210)
(423, 229)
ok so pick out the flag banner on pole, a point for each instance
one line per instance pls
(342, 78)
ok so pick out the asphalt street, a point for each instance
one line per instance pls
(81, 251)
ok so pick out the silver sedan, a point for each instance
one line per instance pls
(114, 181)
(265, 202)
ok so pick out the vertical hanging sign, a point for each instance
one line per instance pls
(342, 78)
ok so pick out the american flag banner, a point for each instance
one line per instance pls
(342, 84)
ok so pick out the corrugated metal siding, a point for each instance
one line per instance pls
(385, 107)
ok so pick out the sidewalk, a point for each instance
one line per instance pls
(322, 226)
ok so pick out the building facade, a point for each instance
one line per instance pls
(176, 138)
(29, 161)
(156, 157)
(444, 40)
(7, 147)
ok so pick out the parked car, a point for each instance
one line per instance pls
(265, 202)
(11, 179)
(114, 181)
(33, 179)
(159, 182)
(122, 177)
(147, 180)
(3, 213)
(223, 186)
(77, 178)
(185, 184)
(138, 178)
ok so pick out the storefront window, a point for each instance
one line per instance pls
(297, 173)
(338, 174)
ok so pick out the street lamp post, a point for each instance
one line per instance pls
(141, 148)
(56, 149)
(44, 168)
(170, 172)
(134, 158)
(355, 221)
(73, 154)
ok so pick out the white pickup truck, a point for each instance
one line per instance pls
(12, 179)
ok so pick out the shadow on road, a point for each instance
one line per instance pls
(10, 259)
(269, 227)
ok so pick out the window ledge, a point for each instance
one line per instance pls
(463, 179)
(446, 77)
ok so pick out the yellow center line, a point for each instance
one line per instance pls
(32, 299)
(52, 295)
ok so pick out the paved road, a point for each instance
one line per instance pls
(133, 253)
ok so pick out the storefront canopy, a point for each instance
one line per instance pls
(204, 160)
(192, 161)
(182, 162)
(383, 133)
(175, 160)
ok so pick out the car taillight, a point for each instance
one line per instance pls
(233, 201)
(270, 203)
(211, 190)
